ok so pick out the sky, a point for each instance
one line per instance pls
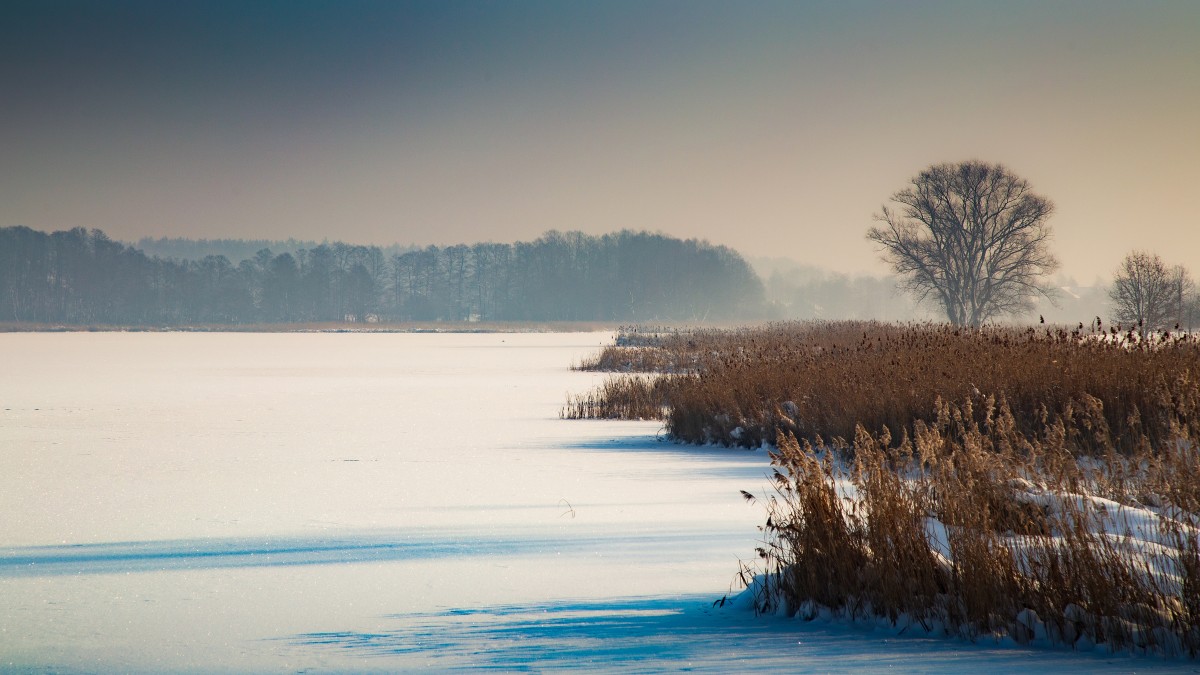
(776, 128)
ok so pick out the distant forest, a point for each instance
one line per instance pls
(234, 249)
(81, 277)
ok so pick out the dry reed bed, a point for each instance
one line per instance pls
(1057, 498)
(823, 379)
(975, 529)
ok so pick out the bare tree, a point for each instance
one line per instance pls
(1148, 293)
(970, 236)
(1184, 301)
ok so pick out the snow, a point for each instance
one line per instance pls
(383, 502)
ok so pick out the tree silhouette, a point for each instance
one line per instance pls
(973, 237)
(1147, 293)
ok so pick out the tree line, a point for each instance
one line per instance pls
(82, 277)
(234, 249)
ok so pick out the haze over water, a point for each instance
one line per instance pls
(775, 128)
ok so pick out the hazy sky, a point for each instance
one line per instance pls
(775, 128)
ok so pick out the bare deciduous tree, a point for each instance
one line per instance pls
(1148, 293)
(1184, 301)
(971, 236)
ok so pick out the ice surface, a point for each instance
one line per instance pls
(268, 502)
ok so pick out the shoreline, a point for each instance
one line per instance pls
(324, 327)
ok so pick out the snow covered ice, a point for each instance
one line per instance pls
(358, 502)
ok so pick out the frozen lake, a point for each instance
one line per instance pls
(333, 502)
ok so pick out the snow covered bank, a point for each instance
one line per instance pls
(979, 532)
